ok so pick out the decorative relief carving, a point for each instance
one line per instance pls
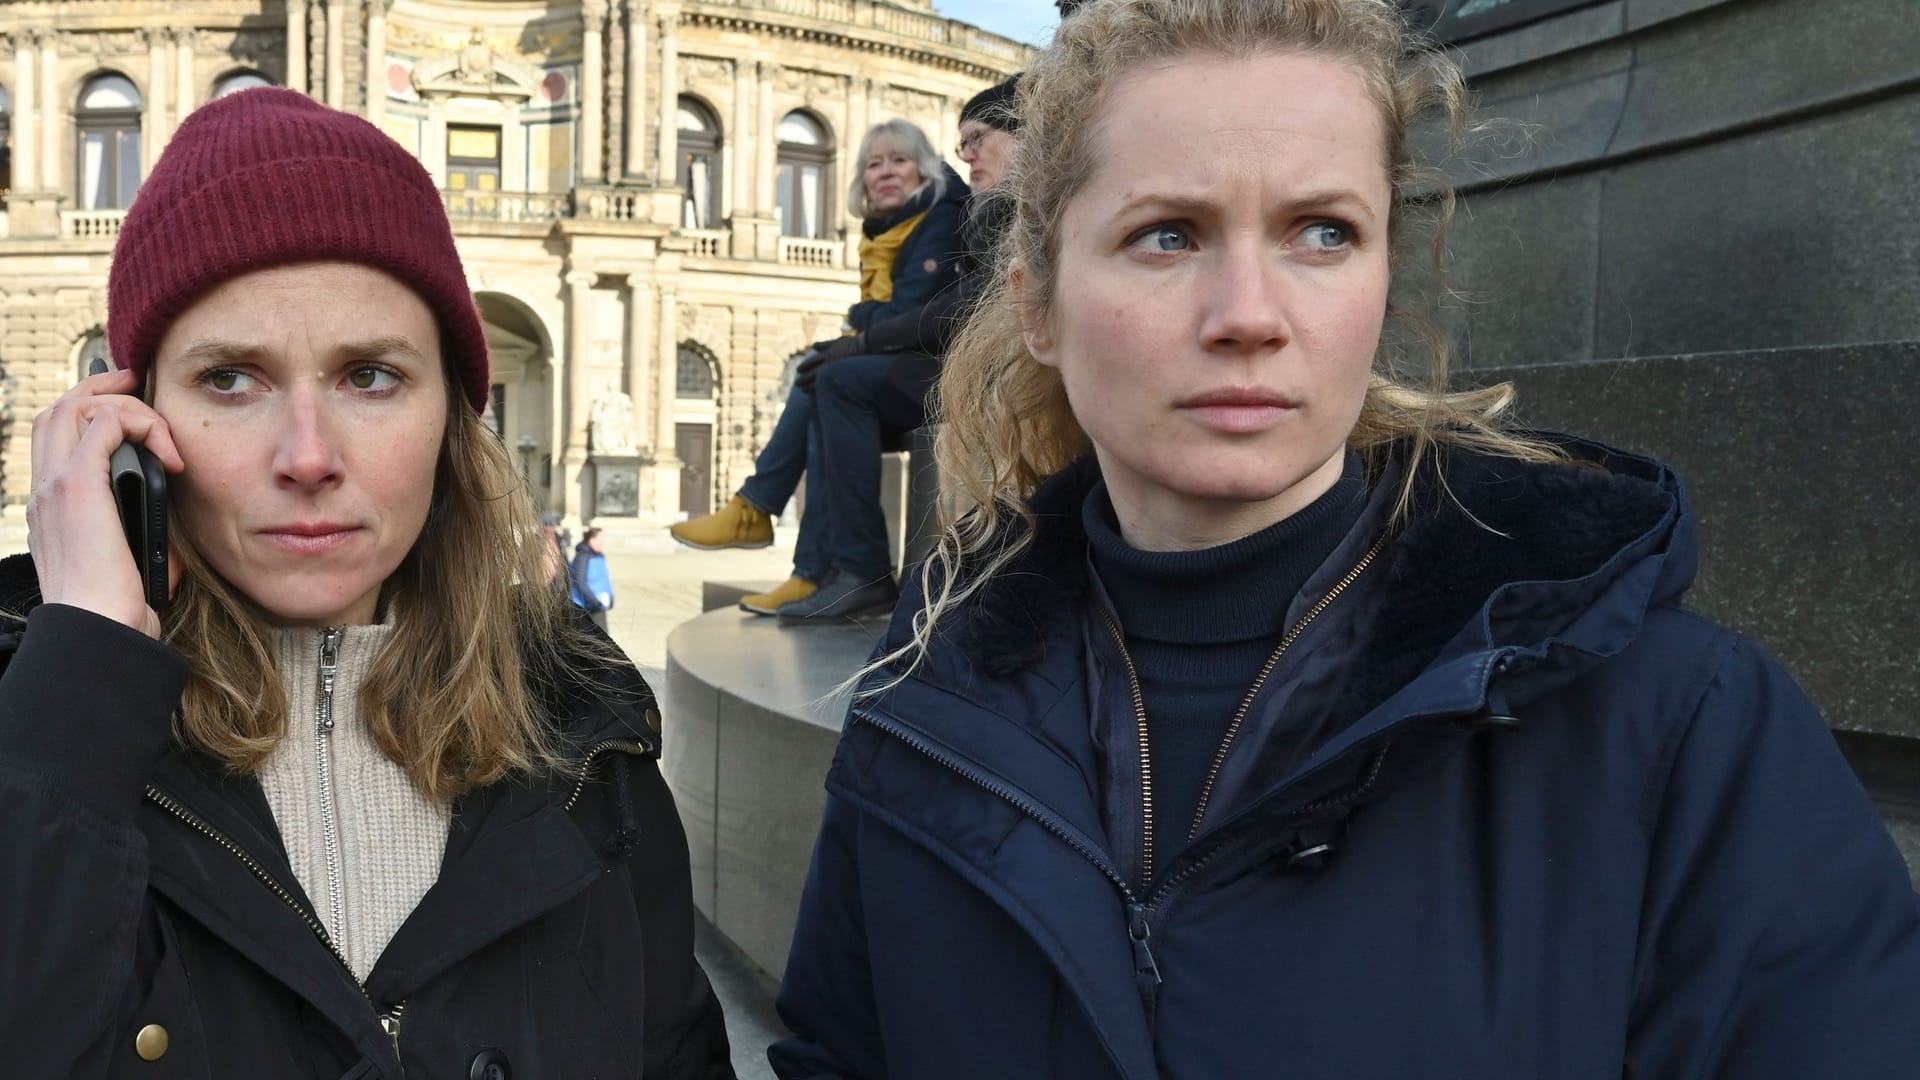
(706, 69)
(123, 43)
(475, 70)
(900, 99)
(541, 40)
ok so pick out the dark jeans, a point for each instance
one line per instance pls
(776, 473)
(857, 411)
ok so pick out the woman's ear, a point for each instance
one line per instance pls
(1034, 328)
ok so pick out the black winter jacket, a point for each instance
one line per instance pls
(920, 337)
(1502, 811)
(141, 885)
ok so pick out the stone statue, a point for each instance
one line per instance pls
(610, 425)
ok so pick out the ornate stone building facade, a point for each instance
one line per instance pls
(649, 194)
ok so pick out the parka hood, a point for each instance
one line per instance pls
(1494, 554)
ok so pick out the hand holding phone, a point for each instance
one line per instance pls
(79, 530)
(140, 494)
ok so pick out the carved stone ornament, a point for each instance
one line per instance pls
(475, 70)
(706, 69)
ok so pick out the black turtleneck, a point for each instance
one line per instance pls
(1199, 624)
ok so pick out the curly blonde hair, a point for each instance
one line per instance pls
(1006, 423)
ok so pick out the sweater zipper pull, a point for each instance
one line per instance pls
(329, 662)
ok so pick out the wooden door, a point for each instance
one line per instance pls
(693, 444)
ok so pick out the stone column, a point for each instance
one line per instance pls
(336, 53)
(639, 349)
(860, 108)
(155, 122)
(636, 90)
(184, 98)
(745, 149)
(50, 110)
(377, 62)
(579, 335)
(665, 376)
(593, 13)
(669, 136)
(769, 143)
(297, 45)
(26, 119)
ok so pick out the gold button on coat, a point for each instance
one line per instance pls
(151, 1042)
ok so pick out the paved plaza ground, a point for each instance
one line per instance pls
(653, 593)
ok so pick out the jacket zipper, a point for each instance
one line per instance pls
(629, 746)
(1239, 717)
(390, 1020)
(323, 756)
(1140, 914)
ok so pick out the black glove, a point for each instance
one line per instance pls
(822, 352)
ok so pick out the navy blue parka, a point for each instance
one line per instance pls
(1505, 809)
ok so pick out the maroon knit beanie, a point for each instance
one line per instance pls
(267, 177)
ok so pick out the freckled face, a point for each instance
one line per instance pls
(309, 405)
(1222, 281)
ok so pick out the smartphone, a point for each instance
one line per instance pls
(140, 492)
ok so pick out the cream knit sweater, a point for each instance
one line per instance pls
(387, 838)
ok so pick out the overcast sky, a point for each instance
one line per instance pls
(1023, 20)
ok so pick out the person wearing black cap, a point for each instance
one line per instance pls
(875, 384)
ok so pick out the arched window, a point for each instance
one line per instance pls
(238, 81)
(694, 377)
(699, 143)
(108, 129)
(6, 142)
(92, 347)
(805, 158)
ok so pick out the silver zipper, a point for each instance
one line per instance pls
(390, 1023)
(323, 754)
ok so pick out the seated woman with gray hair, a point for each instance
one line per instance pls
(910, 204)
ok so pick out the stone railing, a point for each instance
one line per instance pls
(611, 204)
(879, 15)
(504, 206)
(91, 224)
(799, 251)
(709, 243)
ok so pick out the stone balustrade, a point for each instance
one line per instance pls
(709, 243)
(91, 224)
(878, 15)
(504, 206)
(799, 251)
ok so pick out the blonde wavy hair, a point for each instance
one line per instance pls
(1006, 423)
(481, 646)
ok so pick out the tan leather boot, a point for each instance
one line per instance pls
(736, 525)
(795, 588)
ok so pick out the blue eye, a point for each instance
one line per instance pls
(1327, 235)
(1162, 238)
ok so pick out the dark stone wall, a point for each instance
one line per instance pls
(1701, 240)
(1697, 176)
(1804, 471)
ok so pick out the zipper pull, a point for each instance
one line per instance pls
(1145, 969)
(390, 1023)
(329, 660)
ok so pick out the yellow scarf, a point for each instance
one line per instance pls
(876, 259)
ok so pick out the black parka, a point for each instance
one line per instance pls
(143, 887)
